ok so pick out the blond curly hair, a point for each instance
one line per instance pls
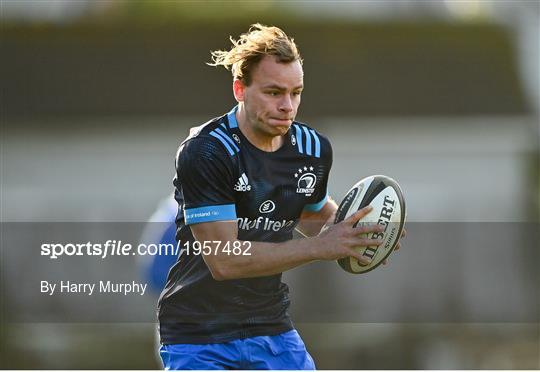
(251, 47)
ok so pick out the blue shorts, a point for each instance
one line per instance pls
(283, 351)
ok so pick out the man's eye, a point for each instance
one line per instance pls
(297, 93)
(273, 94)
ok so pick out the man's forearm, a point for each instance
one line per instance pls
(265, 259)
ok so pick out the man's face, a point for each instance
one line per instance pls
(272, 99)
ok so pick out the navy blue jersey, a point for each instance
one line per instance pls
(221, 176)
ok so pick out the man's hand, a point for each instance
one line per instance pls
(330, 222)
(337, 241)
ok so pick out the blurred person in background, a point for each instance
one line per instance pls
(160, 230)
(244, 181)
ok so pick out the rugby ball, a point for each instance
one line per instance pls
(386, 198)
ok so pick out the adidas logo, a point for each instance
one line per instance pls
(242, 184)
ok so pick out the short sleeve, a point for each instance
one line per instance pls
(204, 177)
(320, 197)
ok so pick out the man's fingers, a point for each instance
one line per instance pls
(398, 245)
(363, 261)
(403, 233)
(364, 229)
(369, 242)
(358, 215)
(357, 242)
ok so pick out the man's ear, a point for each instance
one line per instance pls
(238, 90)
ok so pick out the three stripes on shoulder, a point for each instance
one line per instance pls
(306, 140)
(223, 137)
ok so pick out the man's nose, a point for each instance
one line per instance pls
(286, 104)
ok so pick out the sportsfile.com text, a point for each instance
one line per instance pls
(119, 248)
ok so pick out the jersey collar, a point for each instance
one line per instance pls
(231, 117)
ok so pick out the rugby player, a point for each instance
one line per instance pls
(244, 181)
